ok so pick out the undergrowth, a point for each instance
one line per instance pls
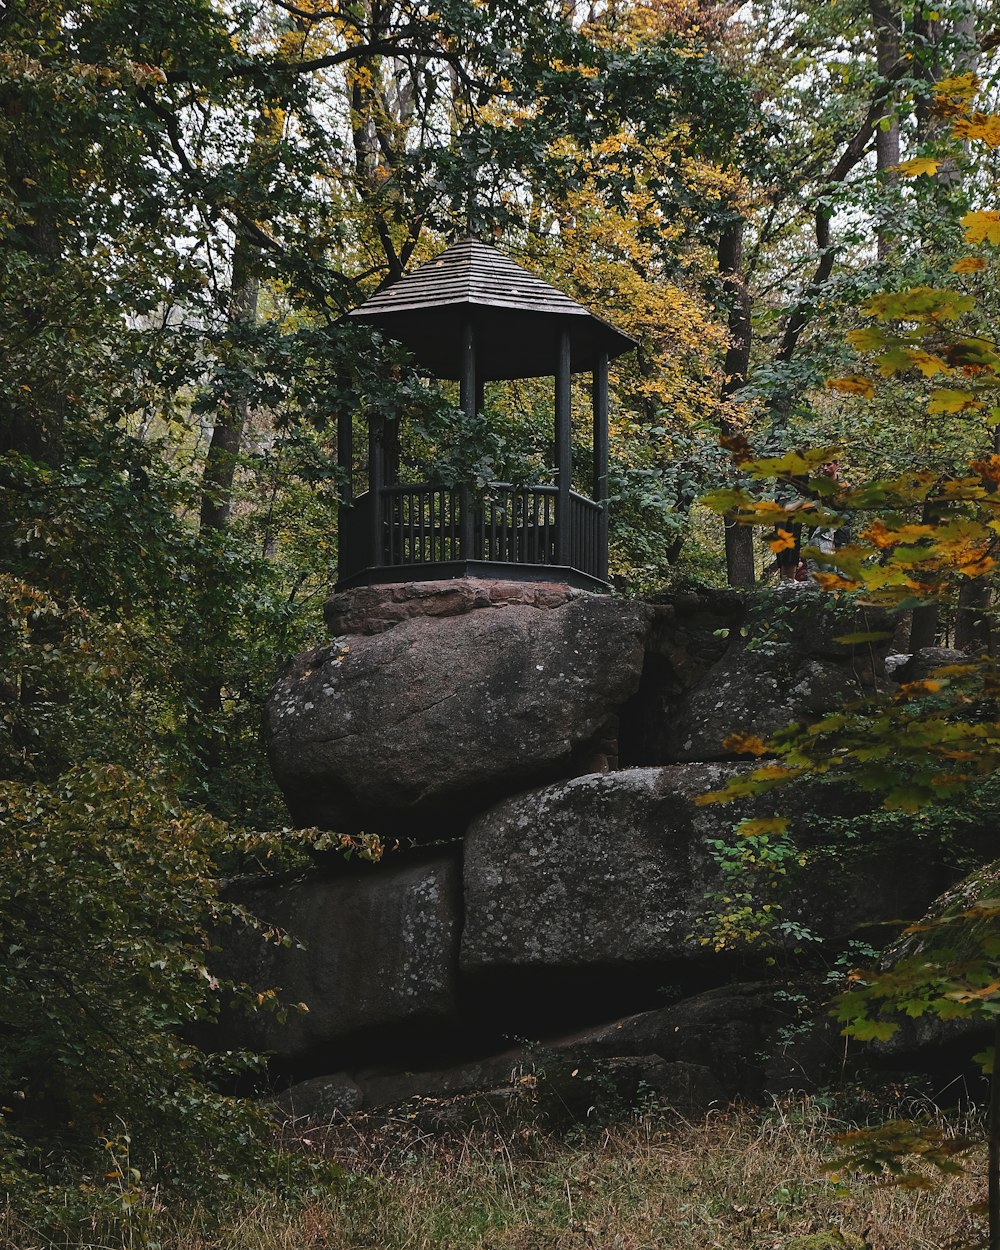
(737, 1179)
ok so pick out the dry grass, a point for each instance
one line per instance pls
(734, 1181)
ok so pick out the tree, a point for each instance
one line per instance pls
(926, 530)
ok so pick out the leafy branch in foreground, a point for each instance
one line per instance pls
(109, 898)
(920, 536)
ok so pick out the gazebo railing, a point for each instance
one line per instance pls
(429, 525)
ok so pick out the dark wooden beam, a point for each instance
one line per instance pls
(345, 487)
(600, 400)
(469, 396)
(564, 446)
(600, 395)
(376, 480)
(345, 458)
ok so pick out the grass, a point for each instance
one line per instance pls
(736, 1180)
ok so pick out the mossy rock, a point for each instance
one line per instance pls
(828, 1239)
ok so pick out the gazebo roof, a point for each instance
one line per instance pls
(515, 313)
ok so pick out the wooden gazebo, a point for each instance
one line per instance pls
(472, 315)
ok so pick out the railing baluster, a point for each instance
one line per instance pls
(427, 524)
(411, 527)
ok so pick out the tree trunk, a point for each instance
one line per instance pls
(739, 538)
(740, 568)
(886, 20)
(231, 418)
(924, 627)
(972, 623)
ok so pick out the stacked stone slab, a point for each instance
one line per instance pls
(489, 717)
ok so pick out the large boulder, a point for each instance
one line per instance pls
(364, 954)
(615, 871)
(600, 870)
(418, 727)
(783, 662)
(751, 1037)
(521, 1082)
(689, 633)
(949, 936)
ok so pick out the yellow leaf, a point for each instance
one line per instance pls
(982, 227)
(969, 264)
(782, 541)
(920, 687)
(834, 581)
(918, 303)
(867, 339)
(763, 824)
(962, 86)
(989, 468)
(853, 384)
(983, 126)
(880, 535)
(946, 400)
(919, 165)
(745, 744)
(927, 363)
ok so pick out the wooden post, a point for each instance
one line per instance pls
(345, 487)
(345, 458)
(564, 447)
(376, 480)
(600, 396)
(469, 393)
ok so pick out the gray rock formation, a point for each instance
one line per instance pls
(740, 1033)
(496, 710)
(922, 1041)
(783, 663)
(559, 1085)
(922, 663)
(599, 871)
(418, 727)
(366, 952)
(322, 1100)
(614, 871)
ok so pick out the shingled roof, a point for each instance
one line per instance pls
(516, 314)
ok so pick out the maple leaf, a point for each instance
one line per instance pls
(961, 86)
(988, 468)
(893, 361)
(972, 353)
(782, 541)
(867, 339)
(852, 384)
(745, 744)
(792, 463)
(927, 363)
(946, 399)
(833, 581)
(968, 264)
(919, 165)
(880, 535)
(983, 126)
(982, 226)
